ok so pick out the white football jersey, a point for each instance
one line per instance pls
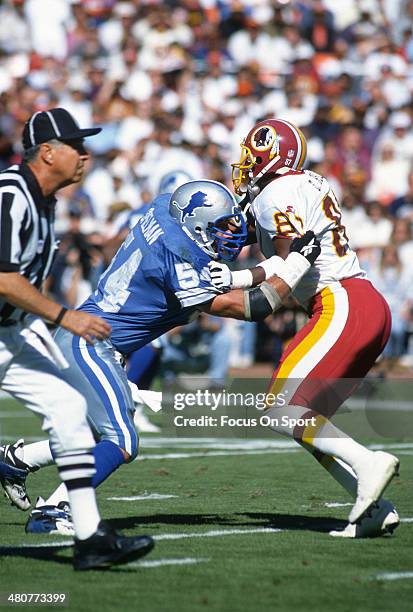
(297, 202)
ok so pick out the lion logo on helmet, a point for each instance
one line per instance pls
(198, 200)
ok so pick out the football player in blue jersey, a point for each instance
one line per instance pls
(158, 279)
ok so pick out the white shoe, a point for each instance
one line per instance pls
(373, 476)
(382, 519)
(142, 422)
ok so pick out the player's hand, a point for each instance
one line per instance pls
(221, 276)
(87, 326)
(308, 246)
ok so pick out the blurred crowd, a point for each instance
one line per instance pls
(177, 84)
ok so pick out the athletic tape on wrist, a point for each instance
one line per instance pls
(241, 279)
(296, 266)
(272, 266)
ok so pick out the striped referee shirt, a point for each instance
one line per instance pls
(27, 240)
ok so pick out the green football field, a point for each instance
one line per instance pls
(240, 524)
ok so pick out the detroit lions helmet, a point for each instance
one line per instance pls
(172, 180)
(209, 214)
(272, 146)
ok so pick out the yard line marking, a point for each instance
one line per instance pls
(12, 438)
(376, 404)
(338, 504)
(16, 415)
(394, 575)
(65, 543)
(158, 538)
(407, 520)
(215, 533)
(216, 443)
(215, 454)
(145, 497)
(400, 445)
(160, 562)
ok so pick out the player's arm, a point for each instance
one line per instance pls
(251, 304)
(255, 304)
(290, 264)
(17, 290)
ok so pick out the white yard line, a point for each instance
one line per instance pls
(162, 536)
(160, 562)
(214, 454)
(214, 534)
(144, 497)
(338, 504)
(408, 519)
(64, 543)
(16, 415)
(394, 576)
(216, 443)
(395, 446)
(377, 404)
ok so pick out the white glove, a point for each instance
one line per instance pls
(221, 276)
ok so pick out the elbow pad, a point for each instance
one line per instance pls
(260, 302)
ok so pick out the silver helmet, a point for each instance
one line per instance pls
(209, 214)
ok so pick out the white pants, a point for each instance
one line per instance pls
(29, 374)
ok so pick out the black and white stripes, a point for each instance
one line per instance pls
(76, 470)
(27, 242)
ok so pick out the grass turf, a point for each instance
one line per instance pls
(299, 567)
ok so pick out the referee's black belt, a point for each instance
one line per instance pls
(8, 323)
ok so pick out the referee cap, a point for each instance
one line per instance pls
(55, 123)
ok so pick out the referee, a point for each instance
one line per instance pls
(32, 368)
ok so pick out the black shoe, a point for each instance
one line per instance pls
(106, 548)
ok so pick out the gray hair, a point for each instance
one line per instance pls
(30, 155)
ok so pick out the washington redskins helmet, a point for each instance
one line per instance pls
(272, 146)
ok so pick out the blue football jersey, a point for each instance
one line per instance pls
(154, 282)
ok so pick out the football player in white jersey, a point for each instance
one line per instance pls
(349, 321)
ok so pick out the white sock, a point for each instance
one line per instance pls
(76, 470)
(60, 494)
(340, 471)
(85, 513)
(38, 454)
(323, 435)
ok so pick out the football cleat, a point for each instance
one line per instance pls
(381, 519)
(54, 520)
(13, 474)
(373, 477)
(106, 547)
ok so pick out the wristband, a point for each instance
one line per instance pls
(241, 279)
(295, 267)
(60, 316)
(273, 265)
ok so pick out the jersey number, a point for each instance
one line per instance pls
(188, 277)
(115, 290)
(332, 211)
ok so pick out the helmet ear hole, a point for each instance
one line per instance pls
(258, 160)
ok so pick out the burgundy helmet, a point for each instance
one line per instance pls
(273, 146)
